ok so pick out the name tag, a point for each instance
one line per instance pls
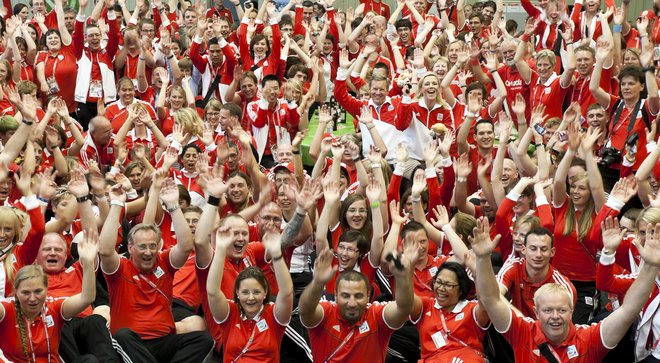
(433, 271)
(262, 325)
(364, 328)
(69, 270)
(439, 340)
(110, 150)
(572, 352)
(49, 321)
(159, 272)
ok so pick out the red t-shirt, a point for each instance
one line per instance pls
(50, 320)
(142, 303)
(366, 339)
(64, 66)
(513, 276)
(550, 93)
(67, 283)
(583, 344)
(185, 283)
(440, 345)
(237, 331)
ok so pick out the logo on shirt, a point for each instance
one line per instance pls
(49, 321)
(433, 270)
(262, 325)
(158, 272)
(110, 150)
(69, 270)
(536, 352)
(516, 83)
(364, 328)
(336, 327)
(572, 352)
(459, 317)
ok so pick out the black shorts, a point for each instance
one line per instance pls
(181, 310)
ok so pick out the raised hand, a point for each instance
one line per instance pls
(419, 185)
(272, 240)
(373, 190)
(462, 166)
(650, 251)
(395, 213)
(481, 243)
(323, 269)
(624, 189)
(169, 157)
(401, 153)
(612, 234)
(88, 247)
(309, 194)
(574, 137)
(117, 193)
(169, 193)
(331, 192)
(441, 216)
(78, 184)
(366, 117)
(374, 155)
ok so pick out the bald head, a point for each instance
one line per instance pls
(100, 129)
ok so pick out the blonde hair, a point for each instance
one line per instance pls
(648, 215)
(295, 85)
(190, 121)
(549, 55)
(553, 289)
(585, 221)
(438, 95)
(26, 273)
(17, 220)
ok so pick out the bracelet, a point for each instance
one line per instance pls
(295, 152)
(171, 56)
(538, 145)
(461, 179)
(644, 36)
(358, 157)
(277, 258)
(375, 166)
(29, 123)
(375, 205)
(117, 202)
(568, 43)
(99, 196)
(45, 200)
(617, 28)
(83, 198)
(214, 201)
(172, 209)
(302, 214)
(370, 126)
(470, 114)
(648, 69)
(446, 227)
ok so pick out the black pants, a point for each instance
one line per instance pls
(650, 359)
(404, 345)
(588, 299)
(191, 347)
(87, 336)
(86, 112)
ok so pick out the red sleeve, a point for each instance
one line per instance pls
(229, 65)
(403, 115)
(243, 46)
(113, 39)
(545, 215)
(393, 188)
(196, 58)
(503, 222)
(575, 17)
(262, 117)
(622, 253)
(276, 48)
(532, 10)
(594, 240)
(447, 186)
(332, 27)
(297, 24)
(157, 21)
(351, 104)
(27, 252)
(7, 5)
(607, 281)
(357, 81)
(78, 38)
(435, 193)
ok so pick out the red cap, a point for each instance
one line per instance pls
(647, 14)
(288, 166)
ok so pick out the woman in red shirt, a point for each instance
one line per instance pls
(58, 66)
(31, 322)
(451, 328)
(261, 323)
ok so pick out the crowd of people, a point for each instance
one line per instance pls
(497, 201)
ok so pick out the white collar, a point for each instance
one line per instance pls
(457, 308)
(256, 317)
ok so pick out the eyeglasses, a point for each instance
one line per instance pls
(342, 248)
(271, 219)
(446, 285)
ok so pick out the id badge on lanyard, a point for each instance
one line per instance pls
(51, 81)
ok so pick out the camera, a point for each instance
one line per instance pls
(610, 156)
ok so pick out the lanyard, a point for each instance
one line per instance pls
(154, 287)
(34, 357)
(57, 60)
(247, 345)
(343, 343)
(585, 85)
(449, 335)
(548, 353)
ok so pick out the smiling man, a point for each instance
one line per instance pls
(524, 276)
(141, 287)
(86, 333)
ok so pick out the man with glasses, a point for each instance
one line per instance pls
(140, 288)
(522, 277)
